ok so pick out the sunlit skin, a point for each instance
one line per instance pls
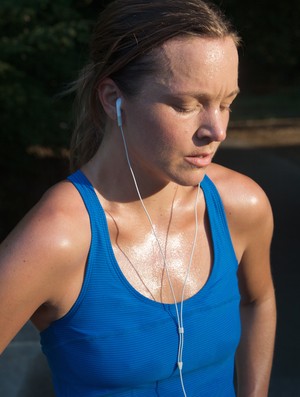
(173, 128)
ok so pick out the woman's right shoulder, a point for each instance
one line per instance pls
(56, 229)
(61, 202)
(58, 217)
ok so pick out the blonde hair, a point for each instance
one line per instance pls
(121, 48)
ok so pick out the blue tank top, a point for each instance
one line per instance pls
(116, 342)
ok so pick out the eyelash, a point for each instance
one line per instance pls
(226, 107)
(182, 110)
(187, 111)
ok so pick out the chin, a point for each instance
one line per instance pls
(191, 178)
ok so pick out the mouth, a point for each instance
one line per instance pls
(199, 160)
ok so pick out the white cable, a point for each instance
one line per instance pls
(179, 314)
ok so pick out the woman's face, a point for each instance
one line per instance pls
(174, 126)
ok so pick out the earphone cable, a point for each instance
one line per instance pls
(179, 314)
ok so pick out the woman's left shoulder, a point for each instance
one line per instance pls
(240, 194)
(248, 210)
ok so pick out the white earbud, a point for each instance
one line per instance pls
(118, 109)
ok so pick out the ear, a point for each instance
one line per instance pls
(108, 93)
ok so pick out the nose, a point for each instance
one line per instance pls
(213, 125)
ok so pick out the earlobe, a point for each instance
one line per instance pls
(108, 93)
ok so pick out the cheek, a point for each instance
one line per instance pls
(154, 128)
(167, 136)
(158, 132)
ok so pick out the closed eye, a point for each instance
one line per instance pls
(180, 109)
(226, 108)
(187, 108)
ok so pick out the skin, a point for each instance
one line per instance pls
(173, 129)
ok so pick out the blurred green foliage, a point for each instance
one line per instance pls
(42, 46)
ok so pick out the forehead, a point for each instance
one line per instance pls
(197, 61)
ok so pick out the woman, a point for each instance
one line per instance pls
(147, 271)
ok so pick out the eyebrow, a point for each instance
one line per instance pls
(233, 93)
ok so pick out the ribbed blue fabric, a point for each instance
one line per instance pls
(116, 342)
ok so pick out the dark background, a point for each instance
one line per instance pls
(43, 45)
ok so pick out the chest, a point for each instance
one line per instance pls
(162, 263)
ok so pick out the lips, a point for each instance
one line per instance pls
(199, 160)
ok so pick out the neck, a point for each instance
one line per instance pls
(111, 177)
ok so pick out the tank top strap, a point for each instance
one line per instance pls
(100, 241)
(217, 217)
(89, 197)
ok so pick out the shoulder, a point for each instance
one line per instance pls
(52, 238)
(247, 206)
(239, 192)
(57, 216)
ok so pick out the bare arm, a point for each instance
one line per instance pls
(251, 225)
(258, 309)
(37, 260)
(255, 352)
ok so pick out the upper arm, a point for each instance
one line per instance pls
(250, 221)
(255, 278)
(34, 259)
